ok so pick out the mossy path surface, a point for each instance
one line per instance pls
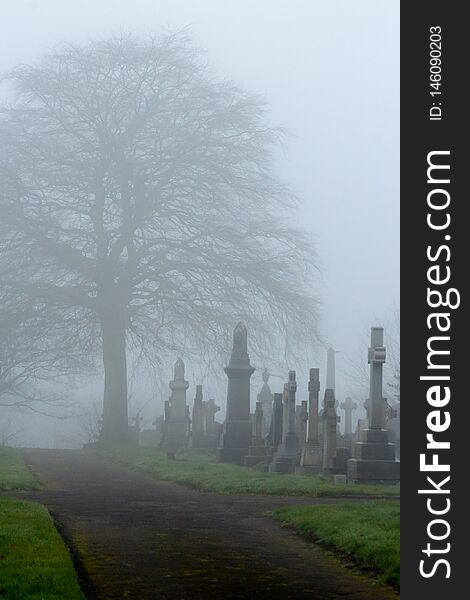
(139, 538)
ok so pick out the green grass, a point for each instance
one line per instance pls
(34, 562)
(367, 531)
(200, 470)
(14, 474)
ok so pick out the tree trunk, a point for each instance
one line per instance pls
(115, 416)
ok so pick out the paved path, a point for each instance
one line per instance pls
(138, 538)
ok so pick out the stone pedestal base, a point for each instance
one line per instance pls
(373, 459)
(176, 436)
(236, 439)
(340, 462)
(257, 454)
(283, 464)
(311, 459)
(308, 470)
(287, 456)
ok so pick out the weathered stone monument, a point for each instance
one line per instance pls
(330, 370)
(373, 456)
(311, 460)
(301, 418)
(197, 433)
(330, 420)
(393, 426)
(275, 431)
(266, 398)
(257, 452)
(236, 437)
(348, 406)
(285, 410)
(176, 435)
(288, 453)
(153, 438)
(212, 429)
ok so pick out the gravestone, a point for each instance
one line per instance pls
(152, 438)
(373, 456)
(330, 421)
(212, 428)
(177, 431)
(134, 430)
(288, 453)
(301, 417)
(393, 426)
(330, 370)
(275, 431)
(266, 398)
(311, 460)
(236, 436)
(348, 406)
(257, 452)
(198, 435)
(285, 410)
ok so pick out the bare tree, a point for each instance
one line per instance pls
(141, 209)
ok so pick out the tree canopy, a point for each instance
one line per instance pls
(140, 203)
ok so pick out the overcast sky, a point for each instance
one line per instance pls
(330, 72)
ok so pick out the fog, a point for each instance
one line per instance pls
(329, 73)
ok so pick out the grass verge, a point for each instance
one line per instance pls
(34, 562)
(14, 474)
(200, 470)
(368, 532)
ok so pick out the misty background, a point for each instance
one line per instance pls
(330, 74)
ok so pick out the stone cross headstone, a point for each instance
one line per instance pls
(376, 356)
(348, 406)
(236, 437)
(373, 456)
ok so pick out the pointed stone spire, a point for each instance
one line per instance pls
(179, 370)
(330, 370)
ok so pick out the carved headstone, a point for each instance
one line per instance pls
(236, 437)
(330, 370)
(301, 418)
(275, 432)
(311, 460)
(258, 452)
(266, 398)
(177, 430)
(288, 454)
(197, 434)
(373, 456)
(348, 406)
(330, 420)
